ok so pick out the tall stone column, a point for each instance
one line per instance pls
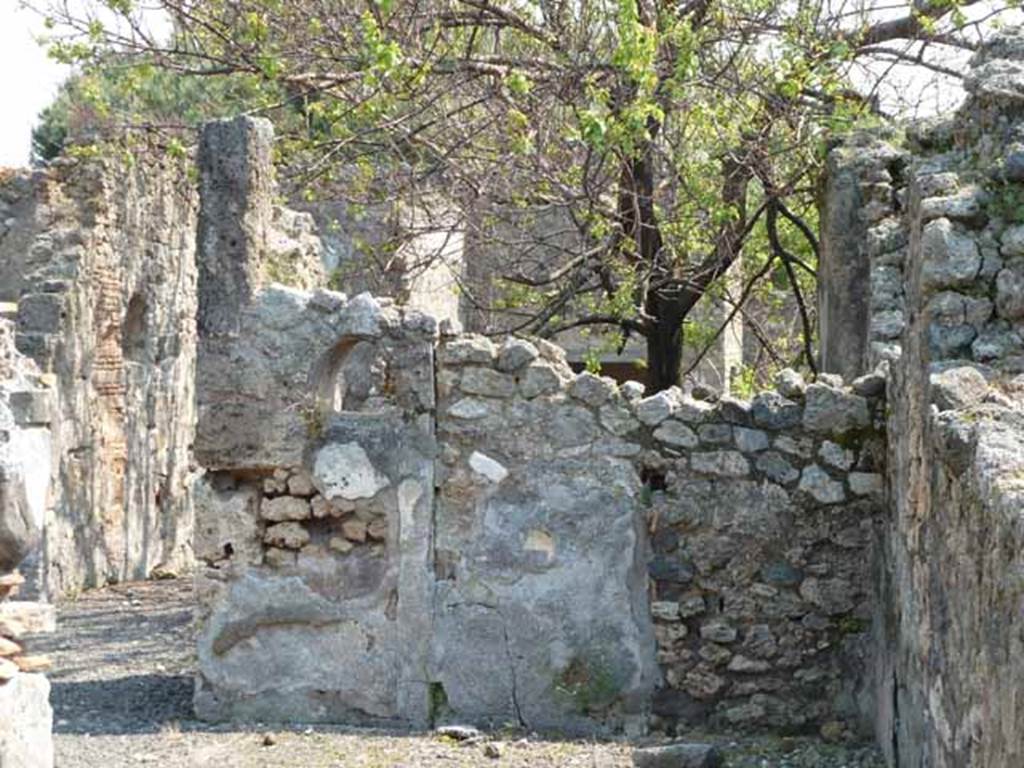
(236, 187)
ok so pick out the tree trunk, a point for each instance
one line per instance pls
(640, 224)
(669, 306)
(664, 344)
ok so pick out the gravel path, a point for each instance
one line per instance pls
(122, 696)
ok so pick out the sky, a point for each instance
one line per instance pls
(28, 84)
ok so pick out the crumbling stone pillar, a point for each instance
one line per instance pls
(863, 246)
(235, 185)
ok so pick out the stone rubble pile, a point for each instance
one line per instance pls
(18, 619)
(26, 720)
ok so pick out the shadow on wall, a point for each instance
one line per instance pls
(135, 330)
(353, 375)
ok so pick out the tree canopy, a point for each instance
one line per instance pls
(660, 143)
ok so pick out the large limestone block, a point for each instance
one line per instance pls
(344, 471)
(26, 723)
(544, 619)
(833, 410)
(951, 258)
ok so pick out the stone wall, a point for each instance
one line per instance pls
(26, 458)
(949, 630)
(861, 307)
(406, 528)
(315, 427)
(763, 516)
(107, 307)
(760, 515)
(312, 518)
(17, 216)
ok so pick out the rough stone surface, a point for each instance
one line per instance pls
(26, 453)
(790, 383)
(861, 233)
(675, 433)
(818, 484)
(772, 410)
(951, 258)
(107, 306)
(734, 550)
(832, 410)
(655, 409)
(26, 727)
(947, 625)
(1010, 293)
(18, 202)
(958, 387)
(515, 353)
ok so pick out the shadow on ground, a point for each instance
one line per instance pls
(135, 704)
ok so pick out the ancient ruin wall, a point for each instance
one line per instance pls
(762, 539)
(756, 522)
(108, 307)
(541, 614)
(949, 629)
(861, 305)
(17, 229)
(26, 458)
(315, 429)
(397, 527)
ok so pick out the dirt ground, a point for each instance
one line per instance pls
(122, 696)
